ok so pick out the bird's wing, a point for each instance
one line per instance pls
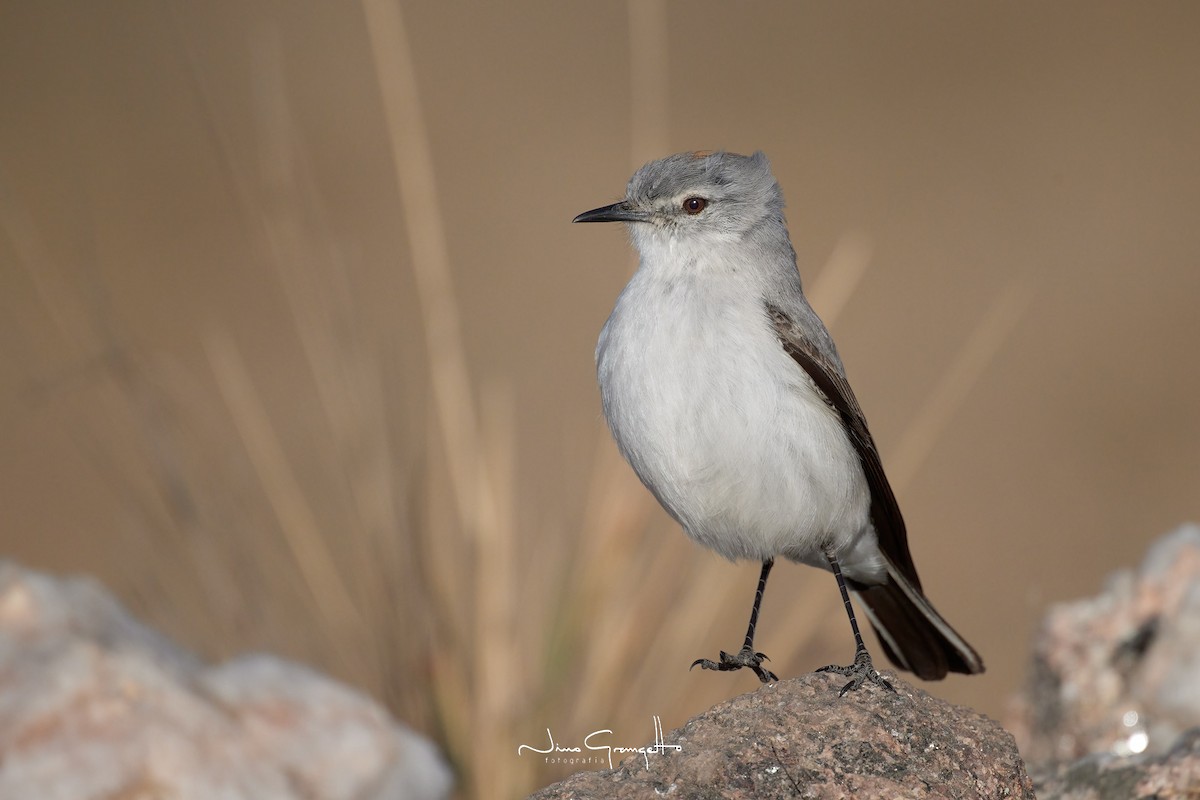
(885, 512)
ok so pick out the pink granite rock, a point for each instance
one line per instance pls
(1174, 775)
(1118, 673)
(797, 738)
(95, 705)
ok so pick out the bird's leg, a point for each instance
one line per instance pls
(862, 669)
(746, 657)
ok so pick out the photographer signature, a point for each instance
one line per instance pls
(592, 743)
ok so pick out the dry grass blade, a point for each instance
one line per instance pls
(299, 525)
(59, 296)
(956, 382)
(649, 69)
(497, 650)
(487, 701)
(597, 587)
(412, 158)
(345, 363)
(837, 282)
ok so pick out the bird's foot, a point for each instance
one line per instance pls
(860, 672)
(743, 658)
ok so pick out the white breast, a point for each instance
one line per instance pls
(723, 426)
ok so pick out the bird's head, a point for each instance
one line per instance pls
(703, 198)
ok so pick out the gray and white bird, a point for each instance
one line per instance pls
(725, 393)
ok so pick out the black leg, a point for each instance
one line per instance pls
(758, 596)
(746, 657)
(862, 669)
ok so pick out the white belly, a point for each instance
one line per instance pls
(726, 429)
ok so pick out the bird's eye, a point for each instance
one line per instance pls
(694, 205)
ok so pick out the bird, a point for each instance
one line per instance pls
(724, 392)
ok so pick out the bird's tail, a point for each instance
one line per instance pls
(913, 634)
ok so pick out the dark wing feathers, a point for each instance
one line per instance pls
(913, 634)
(885, 511)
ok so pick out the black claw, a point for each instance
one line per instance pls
(743, 658)
(765, 675)
(861, 671)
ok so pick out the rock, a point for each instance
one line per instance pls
(1118, 673)
(797, 738)
(94, 704)
(1174, 775)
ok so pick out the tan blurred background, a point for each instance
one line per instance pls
(297, 339)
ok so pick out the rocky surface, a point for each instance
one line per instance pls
(95, 705)
(1174, 775)
(797, 738)
(1119, 673)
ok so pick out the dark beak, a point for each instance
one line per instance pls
(617, 212)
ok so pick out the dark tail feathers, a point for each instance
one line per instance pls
(913, 634)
